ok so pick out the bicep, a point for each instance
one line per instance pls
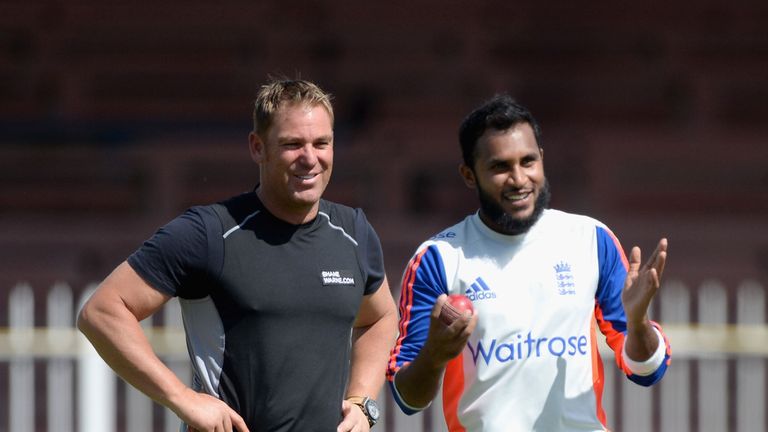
(375, 306)
(123, 290)
(612, 271)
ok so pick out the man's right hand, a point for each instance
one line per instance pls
(205, 413)
(418, 381)
(446, 342)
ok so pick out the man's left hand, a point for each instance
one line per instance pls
(354, 419)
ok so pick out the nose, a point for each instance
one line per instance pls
(516, 176)
(308, 155)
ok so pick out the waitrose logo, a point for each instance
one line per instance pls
(523, 347)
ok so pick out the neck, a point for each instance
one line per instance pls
(292, 215)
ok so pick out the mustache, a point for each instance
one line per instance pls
(506, 223)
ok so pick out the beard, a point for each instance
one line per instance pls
(507, 224)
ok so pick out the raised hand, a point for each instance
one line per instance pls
(642, 283)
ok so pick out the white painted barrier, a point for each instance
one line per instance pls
(717, 380)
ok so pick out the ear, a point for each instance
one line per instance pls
(468, 175)
(541, 153)
(256, 146)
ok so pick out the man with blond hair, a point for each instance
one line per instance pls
(286, 307)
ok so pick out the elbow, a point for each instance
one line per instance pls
(84, 319)
(93, 315)
(401, 403)
(394, 331)
(393, 322)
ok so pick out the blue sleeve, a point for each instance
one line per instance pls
(609, 310)
(176, 260)
(613, 272)
(424, 280)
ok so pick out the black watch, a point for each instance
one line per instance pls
(369, 406)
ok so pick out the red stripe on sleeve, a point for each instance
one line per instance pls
(406, 300)
(619, 248)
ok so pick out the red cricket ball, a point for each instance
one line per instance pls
(454, 307)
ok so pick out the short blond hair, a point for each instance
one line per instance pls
(277, 93)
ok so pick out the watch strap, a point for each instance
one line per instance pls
(360, 401)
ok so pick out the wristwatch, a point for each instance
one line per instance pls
(369, 406)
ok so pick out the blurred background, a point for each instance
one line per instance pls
(116, 116)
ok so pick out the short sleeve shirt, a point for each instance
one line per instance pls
(268, 306)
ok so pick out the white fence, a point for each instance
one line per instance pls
(52, 380)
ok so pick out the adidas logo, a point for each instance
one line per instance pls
(479, 290)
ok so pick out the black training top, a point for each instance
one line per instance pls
(267, 306)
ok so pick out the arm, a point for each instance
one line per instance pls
(417, 382)
(373, 335)
(425, 346)
(110, 320)
(625, 290)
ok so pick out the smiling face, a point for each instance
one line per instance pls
(508, 174)
(295, 159)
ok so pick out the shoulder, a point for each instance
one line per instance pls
(203, 213)
(191, 229)
(192, 220)
(342, 215)
(238, 206)
(449, 240)
(335, 209)
(558, 219)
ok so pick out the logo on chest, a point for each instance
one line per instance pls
(479, 290)
(337, 277)
(566, 285)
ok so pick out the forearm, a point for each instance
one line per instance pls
(370, 351)
(417, 382)
(640, 286)
(118, 338)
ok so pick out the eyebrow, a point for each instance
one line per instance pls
(531, 155)
(293, 138)
(492, 161)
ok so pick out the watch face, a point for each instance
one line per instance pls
(372, 408)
